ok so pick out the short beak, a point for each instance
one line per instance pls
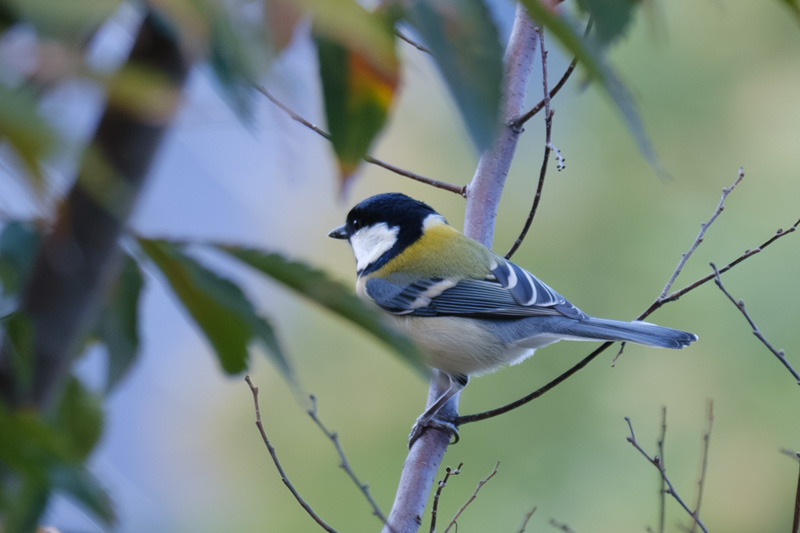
(338, 233)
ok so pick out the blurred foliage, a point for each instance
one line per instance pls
(359, 75)
(317, 286)
(218, 306)
(466, 47)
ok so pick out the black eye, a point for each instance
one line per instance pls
(356, 224)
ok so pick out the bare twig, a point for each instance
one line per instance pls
(526, 519)
(705, 279)
(458, 189)
(740, 305)
(441, 485)
(278, 466)
(703, 228)
(548, 126)
(658, 463)
(662, 507)
(703, 465)
(471, 499)
(562, 526)
(796, 520)
(657, 304)
(344, 464)
(412, 42)
(519, 121)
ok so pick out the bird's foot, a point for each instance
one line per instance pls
(424, 422)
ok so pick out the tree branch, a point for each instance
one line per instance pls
(740, 305)
(461, 190)
(703, 465)
(703, 228)
(344, 464)
(279, 467)
(80, 257)
(471, 499)
(657, 462)
(441, 485)
(657, 304)
(483, 195)
(548, 127)
(486, 187)
(796, 519)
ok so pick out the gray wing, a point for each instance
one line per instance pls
(509, 292)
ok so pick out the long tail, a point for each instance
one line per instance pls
(638, 332)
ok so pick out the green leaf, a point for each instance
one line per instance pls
(357, 100)
(794, 7)
(35, 459)
(590, 56)
(465, 43)
(118, 327)
(318, 287)
(611, 18)
(231, 54)
(71, 20)
(219, 308)
(79, 418)
(79, 483)
(25, 130)
(17, 342)
(347, 23)
(19, 242)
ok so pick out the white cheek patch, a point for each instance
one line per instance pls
(369, 244)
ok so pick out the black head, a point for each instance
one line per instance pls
(390, 221)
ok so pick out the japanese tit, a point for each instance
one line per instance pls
(470, 310)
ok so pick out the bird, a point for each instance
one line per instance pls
(469, 310)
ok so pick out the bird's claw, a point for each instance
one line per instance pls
(424, 423)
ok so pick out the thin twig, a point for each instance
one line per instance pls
(658, 463)
(526, 519)
(703, 228)
(466, 419)
(796, 521)
(519, 121)
(441, 485)
(413, 43)
(548, 126)
(278, 466)
(461, 190)
(740, 305)
(471, 499)
(562, 526)
(344, 464)
(662, 503)
(746, 255)
(703, 465)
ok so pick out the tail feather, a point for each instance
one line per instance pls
(536, 332)
(637, 331)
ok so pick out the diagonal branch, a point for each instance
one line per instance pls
(703, 228)
(548, 127)
(279, 467)
(657, 304)
(461, 190)
(740, 305)
(471, 499)
(656, 461)
(344, 464)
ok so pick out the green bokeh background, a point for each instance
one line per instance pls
(717, 84)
